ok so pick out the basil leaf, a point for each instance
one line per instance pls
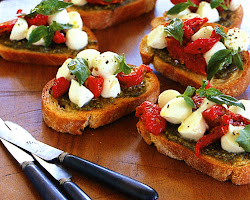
(50, 7)
(79, 68)
(217, 3)
(189, 91)
(187, 96)
(189, 101)
(219, 59)
(174, 28)
(48, 38)
(54, 26)
(123, 66)
(237, 61)
(180, 7)
(244, 138)
(37, 34)
(221, 32)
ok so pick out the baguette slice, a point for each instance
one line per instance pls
(74, 121)
(238, 173)
(236, 19)
(36, 57)
(233, 86)
(103, 18)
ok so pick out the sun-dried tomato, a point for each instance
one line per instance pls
(104, 2)
(59, 37)
(193, 9)
(176, 51)
(200, 46)
(6, 27)
(37, 20)
(149, 113)
(196, 63)
(191, 26)
(95, 85)
(216, 36)
(60, 87)
(197, 100)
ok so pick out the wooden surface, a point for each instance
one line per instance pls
(117, 146)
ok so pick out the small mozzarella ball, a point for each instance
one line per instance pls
(217, 47)
(228, 140)
(79, 94)
(105, 64)
(76, 39)
(79, 2)
(190, 16)
(61, 17)
(205, 10)
(237, 110)
(206, 104)
(64, 71)
(194, 127)
(156, 38)
(234, 5)
(176, 110)
(19, 30)
(237, 38)
(111, 87)
(39, 42)
(167, 96)
(180, 14)
(75, 19)
(204, 32)
(89, 55)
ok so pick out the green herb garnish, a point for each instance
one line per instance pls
(79, 68)
(46, 32)
(123, 66)
(174, 28)
(187, 96)
(221, 32)
(180, 7)
(221, 3)
(244, 138)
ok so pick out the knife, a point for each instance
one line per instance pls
(20, 137)
(44, 186)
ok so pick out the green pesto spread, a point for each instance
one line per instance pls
(224, 73)
(52, 49)
(90, 6)
(100, 102)
(214, 150)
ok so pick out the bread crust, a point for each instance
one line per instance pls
(233, 86)
(238, 173)
(33, 57)
(101, 19)
(236, 18)
(74, 121)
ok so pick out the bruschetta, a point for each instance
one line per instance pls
(205, 128)
(95, 89)
(189, 51)
(48, 35)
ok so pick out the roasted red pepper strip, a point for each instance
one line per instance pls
(149, 113)
(95, 85)
(60, 87)
(104, 2)
(59, 37)
(135, 77)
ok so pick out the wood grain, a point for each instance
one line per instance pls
(117, 146)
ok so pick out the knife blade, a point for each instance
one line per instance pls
(45, 187)
(124, 184)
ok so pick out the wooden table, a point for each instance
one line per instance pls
(117, 146)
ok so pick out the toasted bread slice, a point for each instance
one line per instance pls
(235, 19)
(102, 18)
(74, 121)
(238, 172)
(35, 56)
(235, 85)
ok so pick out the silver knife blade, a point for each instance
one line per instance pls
(17, 135)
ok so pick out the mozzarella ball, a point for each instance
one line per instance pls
(75, 19)
(205, 10)
(237, 38)
(190, 16)
(105, 64)
(167, 96)
(194, 127)
(64, 71)
(79, 94)
(76, 39)
(234, 5)
(206, 104)
(217, 47)
(61, 17)
(157, 38)
(204, 32)
(180, 14)
(237, 110)
(39, 42)
(79, 2)
(89, 55)
(111, 87)
(19, 30)
(176, 111)
(228, 142)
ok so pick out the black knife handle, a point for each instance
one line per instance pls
(44, 186)
(117, 181)
(74, 191)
